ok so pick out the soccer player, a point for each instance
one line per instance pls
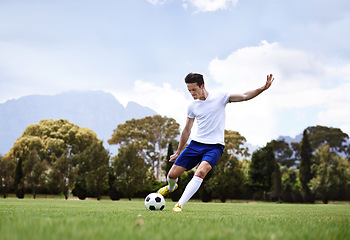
(207, 146)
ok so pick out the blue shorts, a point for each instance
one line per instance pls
(197, 152)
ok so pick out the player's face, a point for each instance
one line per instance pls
(195, 90)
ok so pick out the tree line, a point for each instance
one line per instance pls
(59, 157)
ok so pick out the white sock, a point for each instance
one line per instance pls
(172, 183)
(191, 188)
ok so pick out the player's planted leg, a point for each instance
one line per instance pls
(177, 208)
(191, 188)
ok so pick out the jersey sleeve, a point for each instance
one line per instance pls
(226, 98)
(190, 113)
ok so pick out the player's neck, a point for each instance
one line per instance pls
(204, 95)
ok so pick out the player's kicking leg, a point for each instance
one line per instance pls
(171, 187)
(172, 178)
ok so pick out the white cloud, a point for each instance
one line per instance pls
(296, 72)
(210, 5)
(304, 81)
(157, 2)
(305, 84)
(201, 5)
(336, 108)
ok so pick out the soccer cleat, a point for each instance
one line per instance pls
(177, 208)
(165, 190)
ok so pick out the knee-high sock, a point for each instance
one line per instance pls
(191, 188)
(172, 183)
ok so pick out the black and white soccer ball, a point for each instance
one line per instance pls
(154, 202)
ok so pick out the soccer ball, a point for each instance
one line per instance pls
(154, 202)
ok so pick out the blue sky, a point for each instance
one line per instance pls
(141, 50)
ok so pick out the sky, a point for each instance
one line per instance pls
(141, 50)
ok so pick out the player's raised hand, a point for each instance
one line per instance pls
(268, 81)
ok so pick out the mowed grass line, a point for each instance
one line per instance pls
(61, 219)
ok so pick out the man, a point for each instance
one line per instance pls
(207, 146)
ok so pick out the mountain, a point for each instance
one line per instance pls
(252, 148)
(96, 110)
(289, 140)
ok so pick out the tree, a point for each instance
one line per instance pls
(7, 172)
(321, 135)
(305, 174)
(91, 179)
(277, 182)
(331, 175)
(93, 170)
(29, 149)
(283, 153)
(41, 155)
(290, 185)
(333, 137)
(63, 173)
(168, 164)
(112, 192)
(235, 144)
(130, 171)
(262, 168)
(150, 137)
(19, 182)
(228, 177)
(283, 156)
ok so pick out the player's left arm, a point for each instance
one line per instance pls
(252, 93)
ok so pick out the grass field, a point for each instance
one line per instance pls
(61, 219)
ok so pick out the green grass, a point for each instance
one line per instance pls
(73, 219)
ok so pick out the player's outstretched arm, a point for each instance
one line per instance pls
(252, 93)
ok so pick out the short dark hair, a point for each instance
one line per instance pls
(194, 78)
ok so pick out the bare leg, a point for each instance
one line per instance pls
(173, 175)
(175, 171)
(203, 169)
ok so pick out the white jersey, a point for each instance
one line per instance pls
(211, 117)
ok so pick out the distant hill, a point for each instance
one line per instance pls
(96, 110)
(289, 140)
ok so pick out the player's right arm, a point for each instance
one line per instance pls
(186, 132)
